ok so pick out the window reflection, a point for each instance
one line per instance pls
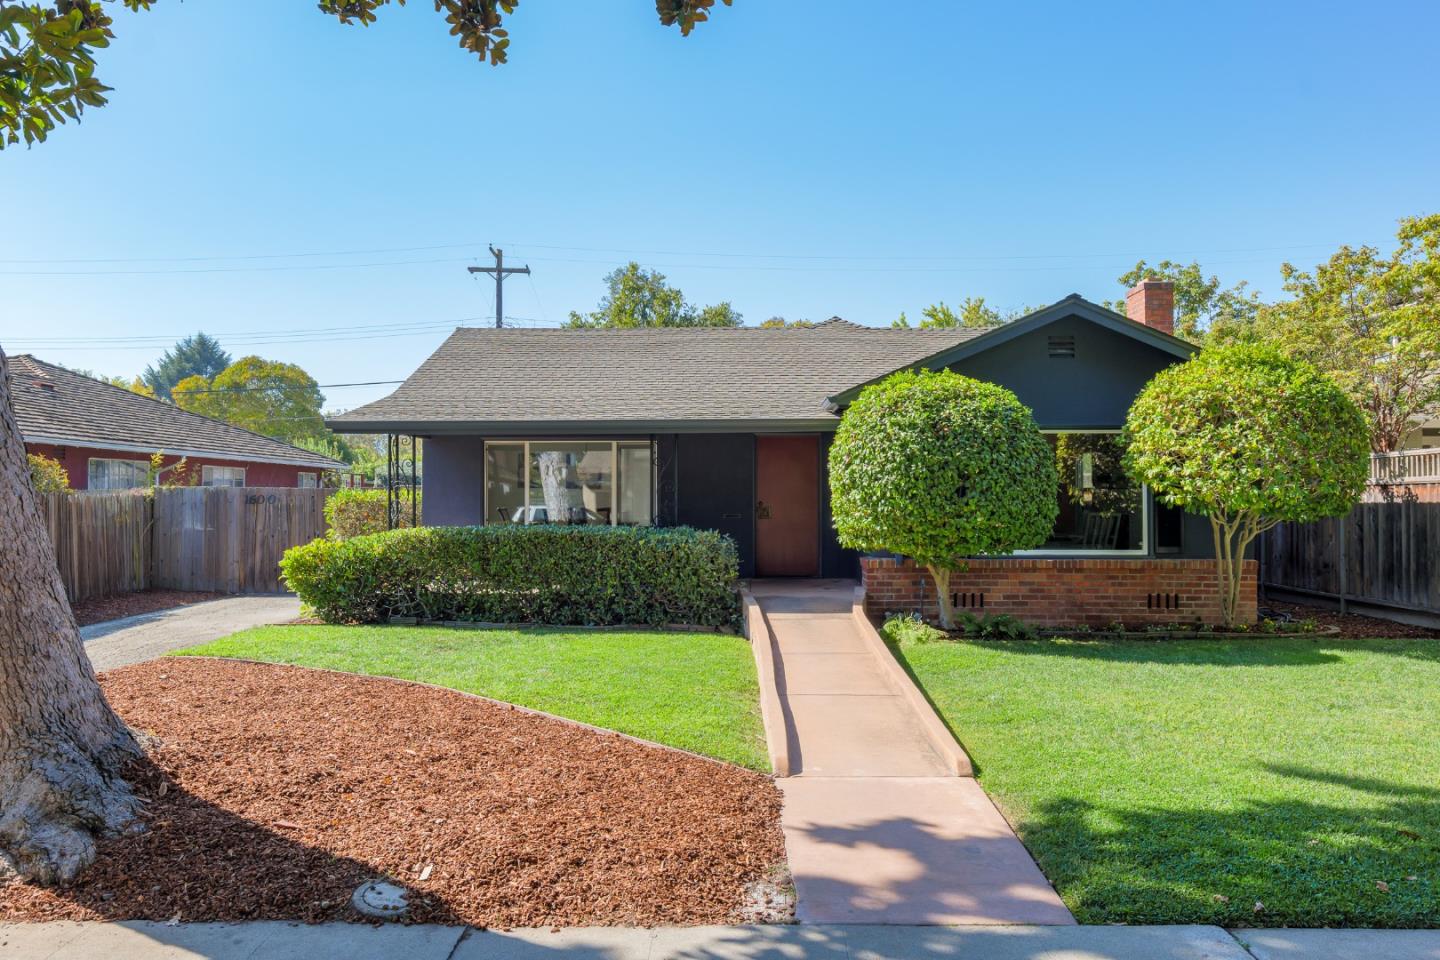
(1101, 508)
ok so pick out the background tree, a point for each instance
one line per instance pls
(940, 467)
(62, 749)
(782, 322)
(1248, 438)
(974, 313)
(197, 356)
(636, 297)
(47, 50)
(277, 399)
(1201, 305)
(1372, 323)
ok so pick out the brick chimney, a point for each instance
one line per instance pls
(1152, 302)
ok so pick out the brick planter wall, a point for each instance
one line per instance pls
(1061, 593)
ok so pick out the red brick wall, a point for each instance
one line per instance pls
(76, 461)
(1062, 593)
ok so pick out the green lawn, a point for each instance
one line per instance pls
(1180, 781)
(696, 691)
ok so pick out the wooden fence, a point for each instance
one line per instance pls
(227, 539)
(102, 542)
(1386, 554)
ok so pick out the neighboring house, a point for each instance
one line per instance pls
(105, 435)
(728, 429)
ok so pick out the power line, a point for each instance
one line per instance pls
(281, 388)
(1087, 255)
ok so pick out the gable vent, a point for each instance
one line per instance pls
(1062, 348)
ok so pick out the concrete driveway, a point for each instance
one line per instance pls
(116, 643)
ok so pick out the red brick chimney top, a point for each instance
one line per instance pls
(1152, 302)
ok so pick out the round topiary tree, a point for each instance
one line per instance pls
(1250, 439)
(940, 467)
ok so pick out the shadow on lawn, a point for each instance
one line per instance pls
(1374, 863)
(200, 862)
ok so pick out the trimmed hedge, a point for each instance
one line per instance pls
(521, 574)
(355, 513)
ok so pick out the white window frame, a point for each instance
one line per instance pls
(615, 468)
(90, 472)
(314, 479)
(206, 472)
(1079, 554)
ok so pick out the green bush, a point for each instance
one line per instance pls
(907, 628)
(47, 475)
(1250, 439)
(940, 467)
(355, 513)
(521, 574)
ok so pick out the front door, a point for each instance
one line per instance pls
(787, 508)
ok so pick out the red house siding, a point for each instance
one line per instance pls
(1063, 593)
(76, 461)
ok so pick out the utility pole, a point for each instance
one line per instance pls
(501, 272)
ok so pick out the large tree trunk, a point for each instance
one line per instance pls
(62, 748)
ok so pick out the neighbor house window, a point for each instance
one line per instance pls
(1101, 509)
(107, 474)
(308, 481)
(222, 476)
(597, 482)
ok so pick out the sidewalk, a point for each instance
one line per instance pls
(879, 825)
(116, 643)
(342, 941)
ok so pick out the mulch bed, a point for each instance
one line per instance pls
(274, 791)
(100, 609)
(1352, 626)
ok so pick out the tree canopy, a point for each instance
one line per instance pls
(1249, 438)
(974, 313)
(1202, 306)
(47, 50)
(1372, 323)
(196, 356)
(636, 297)
(277, 399)
(940, 467)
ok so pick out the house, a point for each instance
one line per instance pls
(728, 429)
(105, 435)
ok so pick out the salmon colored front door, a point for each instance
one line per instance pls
(787, 508)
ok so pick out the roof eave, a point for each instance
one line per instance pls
(517, 428)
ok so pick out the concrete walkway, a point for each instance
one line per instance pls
(879, 828)
(342, 941)
(116, 643)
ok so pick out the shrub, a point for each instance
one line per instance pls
(996, 626)
(355, 513)
(47, 475)
(521, 574)
(940, 467)
(1249, 439)
(910, 628)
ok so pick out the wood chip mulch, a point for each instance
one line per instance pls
(274, 791)
(100, 609)
(1352, 626)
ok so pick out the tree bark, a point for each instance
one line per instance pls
(941, 576)
(62, 749)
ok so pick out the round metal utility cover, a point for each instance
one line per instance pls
(381, 899)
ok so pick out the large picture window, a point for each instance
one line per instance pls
(106, 474)
(600, 482)
(1101, 509)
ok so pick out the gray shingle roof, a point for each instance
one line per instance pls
(55, 405)
(514, 378)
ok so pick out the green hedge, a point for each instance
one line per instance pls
(521, 574)
(355, 513)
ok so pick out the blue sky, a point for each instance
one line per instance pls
(797, 158)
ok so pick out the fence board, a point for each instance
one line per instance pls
(1390, 555)
(227, 539)
(102, 542)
